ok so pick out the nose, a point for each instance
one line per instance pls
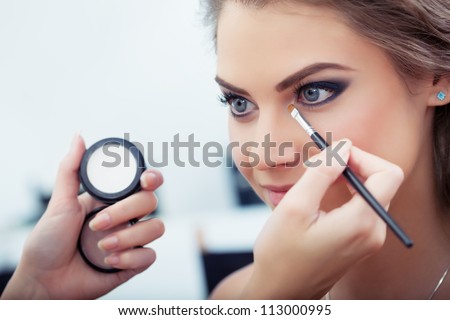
(279, 141)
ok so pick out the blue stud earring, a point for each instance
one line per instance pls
(441, 95)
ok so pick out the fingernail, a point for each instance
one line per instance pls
(108, 243)
(100, 222)
(112, 260)
(346, 147)
(342, 148)
(147, 179)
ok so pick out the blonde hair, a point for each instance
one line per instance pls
(414, 33)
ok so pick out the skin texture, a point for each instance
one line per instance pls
(380, 112)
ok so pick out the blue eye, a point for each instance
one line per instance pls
(317, 93)
(239, 106)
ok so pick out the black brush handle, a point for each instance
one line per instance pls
(370, 199)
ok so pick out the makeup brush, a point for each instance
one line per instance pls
(353, 180)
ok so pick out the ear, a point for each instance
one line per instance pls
(440, 92)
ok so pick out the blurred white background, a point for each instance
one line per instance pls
(106, 68)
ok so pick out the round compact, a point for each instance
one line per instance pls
(87, 243)
(110, 171)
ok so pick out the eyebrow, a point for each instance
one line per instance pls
(309, 70)
(230, 87)
(290, 80)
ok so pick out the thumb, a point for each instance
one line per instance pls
(67, 183)
(322, 171)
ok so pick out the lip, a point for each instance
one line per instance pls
(274, 194)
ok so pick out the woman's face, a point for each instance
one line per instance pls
(344, 86)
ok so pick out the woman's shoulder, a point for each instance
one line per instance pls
(232, 286)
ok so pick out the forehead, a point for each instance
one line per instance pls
(283, 37)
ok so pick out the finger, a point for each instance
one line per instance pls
(67, 182)
(139, 258)
(89, 203)
(139, 234)
(151, 179)
(321, 172)
(367, 164)
(383, 178)
(134, 207)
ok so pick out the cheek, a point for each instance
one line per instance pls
(235, 137)
(238, 136)
(390, 127)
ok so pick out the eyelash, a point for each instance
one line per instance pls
(226, 98)
(335, 87)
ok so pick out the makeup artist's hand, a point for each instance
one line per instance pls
(302, 251)
(51, 266)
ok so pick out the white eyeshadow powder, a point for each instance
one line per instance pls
(111, 179)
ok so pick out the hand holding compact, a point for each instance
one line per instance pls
(52, 267)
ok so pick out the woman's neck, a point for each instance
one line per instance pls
(396, 272)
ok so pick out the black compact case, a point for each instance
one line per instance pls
(109, 162)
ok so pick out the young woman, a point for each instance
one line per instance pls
(376, 76)
(376, 73)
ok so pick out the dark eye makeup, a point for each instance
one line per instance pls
(316, 94)
(310, 96)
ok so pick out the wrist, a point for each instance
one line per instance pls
(24, 287)
(268, 286)
(261, 286)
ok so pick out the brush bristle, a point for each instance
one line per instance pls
(291, 108)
